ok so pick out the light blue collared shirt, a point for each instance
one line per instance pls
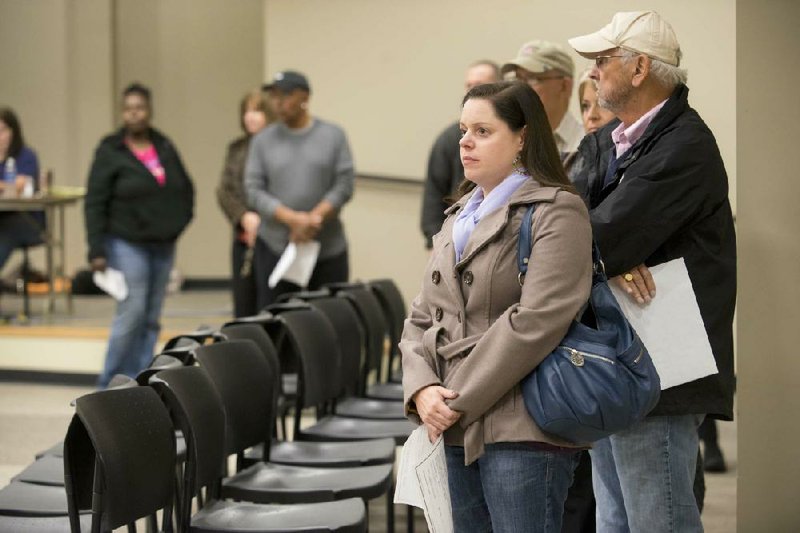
(477, 207)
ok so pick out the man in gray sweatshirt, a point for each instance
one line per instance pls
(299, 174)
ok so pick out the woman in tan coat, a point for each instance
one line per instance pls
(476, 329)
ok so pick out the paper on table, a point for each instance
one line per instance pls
(422, 480)
(112, 281)
(296, 264)
(671, 326)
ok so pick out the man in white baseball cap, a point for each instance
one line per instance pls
(548, 68)
(657, 190)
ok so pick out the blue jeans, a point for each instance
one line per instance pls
(643, 477)
(512, 487)
(134, 332)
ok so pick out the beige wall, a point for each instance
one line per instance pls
(199, 57)
(56, 74)
(391, 73)
(64, 64)
(769, 261)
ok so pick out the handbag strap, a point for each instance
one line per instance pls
(525, 246)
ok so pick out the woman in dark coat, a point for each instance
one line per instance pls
(139, 200)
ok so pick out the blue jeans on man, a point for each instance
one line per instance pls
(134, 332)
(512, 487)
(643, 477)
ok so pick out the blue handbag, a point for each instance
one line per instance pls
(600, 379)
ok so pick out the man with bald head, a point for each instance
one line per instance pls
(548, 68)
(445, 171)
(657, 190)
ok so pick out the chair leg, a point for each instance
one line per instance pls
(390, 510)
(410, 519)
(26, 301)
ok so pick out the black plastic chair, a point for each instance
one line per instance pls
(313, 340)
(376, 329)
(160, 362)
(349, 333)
(28, 508)
(119, 459)
(200, 335)
(265, 319)
(242, 377)
(48, 468)
(196, 408)
(303, 453)
(394, 307)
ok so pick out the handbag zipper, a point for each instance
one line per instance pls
(576, 357)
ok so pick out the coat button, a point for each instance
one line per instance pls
(468, 277)
(436, 277)
(439, 314)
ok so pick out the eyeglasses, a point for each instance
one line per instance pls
(602, 60)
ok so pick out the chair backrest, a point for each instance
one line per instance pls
(119, 457)
(394, 307)
(313, 341)
(200, 335)
(159, 362)
(244, 380)
(256, 333)
(303, 295)
(196, 409)
(350, 334)
(375, 327)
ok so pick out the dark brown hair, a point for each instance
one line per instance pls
(8, 116)
(257, 99)
(137, 88)
(516, 104)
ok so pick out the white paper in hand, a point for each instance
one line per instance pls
(112, 281)
(671, 326)
(296, 264)
(422, 480)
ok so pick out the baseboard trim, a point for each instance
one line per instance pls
(206, 284)
(47, 378)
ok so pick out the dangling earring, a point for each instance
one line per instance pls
(517, 164)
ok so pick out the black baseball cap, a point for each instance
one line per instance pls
(287, 81)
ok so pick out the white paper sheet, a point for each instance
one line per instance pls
(671, 326)
(112, 281)
(422, 480)
(296, 264)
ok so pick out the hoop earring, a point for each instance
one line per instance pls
(517, 165)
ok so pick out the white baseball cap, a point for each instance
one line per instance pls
(644, 32)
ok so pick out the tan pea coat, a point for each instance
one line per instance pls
(475, 330)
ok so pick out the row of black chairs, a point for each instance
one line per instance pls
(123, 457)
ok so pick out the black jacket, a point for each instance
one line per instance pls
(445, 172)
(123, 198)
(668, 199)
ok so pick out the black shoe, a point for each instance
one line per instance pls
(713, 460)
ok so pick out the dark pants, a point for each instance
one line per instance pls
(244, 287)
(579, 509)
(328, 270)
(18, 230)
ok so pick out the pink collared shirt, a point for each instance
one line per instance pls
(624, 137)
